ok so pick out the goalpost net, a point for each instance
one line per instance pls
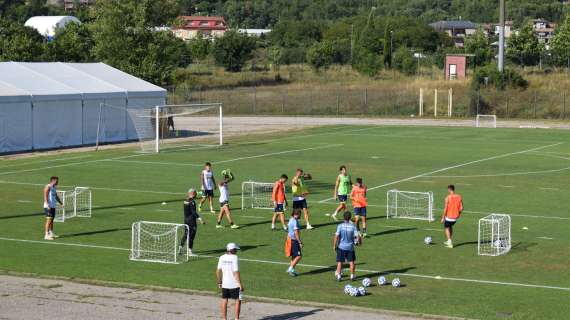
(159, 242)
(494, 235)
(256, 195)
(158, 128)
(409, 205)
(75, 203)
(486, 121)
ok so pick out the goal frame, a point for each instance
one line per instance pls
(392, 211)
(495, 221)
(478, 120)
(69, 198)
(136, 238)
(249, 196)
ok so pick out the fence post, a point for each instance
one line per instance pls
(507, 104)
(563, 105)
(254, 99)
(435, 104)
(366, 99)
(421, 113)
(478, 101)
(450, 103)
(283, 102)
(337, 103)
(535, 104)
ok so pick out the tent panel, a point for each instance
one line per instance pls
(113, 120)
(15, 127)
(57, 124)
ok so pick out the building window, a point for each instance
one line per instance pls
(452, 71)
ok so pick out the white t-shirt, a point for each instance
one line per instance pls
(228, 263)
(207, 178)
(224, 193)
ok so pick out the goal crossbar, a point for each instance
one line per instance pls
(159, 242)
(75, 203)
(486, 121)
(256, 195)
(409, 205)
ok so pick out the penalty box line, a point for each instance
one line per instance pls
(312, 266)
(456, 166)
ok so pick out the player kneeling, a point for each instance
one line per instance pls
(345, 238)
(225, 203)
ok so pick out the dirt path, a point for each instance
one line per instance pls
(33, 298)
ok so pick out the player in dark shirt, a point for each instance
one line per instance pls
(191, 219)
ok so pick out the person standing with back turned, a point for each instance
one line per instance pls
(451, 213)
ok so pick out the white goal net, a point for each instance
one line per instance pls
(409, 205)
(256, 195)
(486, 121)
(494, 236)
(75, 203)
(187, 126)
(159, 242)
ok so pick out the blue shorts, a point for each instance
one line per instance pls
(342, 197)
(208, 193)
(295, 248)
(360, 212)
(300, 204)
(279, 208)
(345, 255)
(49, 212)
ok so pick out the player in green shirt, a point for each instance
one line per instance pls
(341, 190)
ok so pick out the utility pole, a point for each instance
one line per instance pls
(501, 35)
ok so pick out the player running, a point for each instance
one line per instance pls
(225, 204)
(208, 184)
(50, 203)
(293, 244)
(346, 236)
(343, 182)
(359, 202)
(279, 201)
(300, 193)
(451, 213)
(190, 219)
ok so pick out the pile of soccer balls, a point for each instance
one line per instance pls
(367, 282)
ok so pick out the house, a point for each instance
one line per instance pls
(70, 4)
(492, 29)
(48, 25)
(543, 30)
(458, 30)
(190, 27)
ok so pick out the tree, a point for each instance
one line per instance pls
(366, 62)
(388, 41)
(321, 55)
(74, 43)
(232, 50)
(560, 44)
(524, 48)
(478, 45)
(404, 61)
(20, 43)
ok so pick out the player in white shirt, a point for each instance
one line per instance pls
(50, 203)
(229, 280)
(208, 184)
(225, 204)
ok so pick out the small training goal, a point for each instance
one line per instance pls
(486, 121)
(75, 203)
(256, 195)
(409, 205)
(494, 235)
(159, 242)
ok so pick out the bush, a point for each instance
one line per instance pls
(232, 50)
(405, 62)
(366, 62)
(321, 55)
(490, 76)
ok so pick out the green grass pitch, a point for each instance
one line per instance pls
(521, 172)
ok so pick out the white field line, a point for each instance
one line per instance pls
(125, 208)
(545, 238)
(43, 161)
(523, 173)
(412, 275)
(160, 163)
(425, 137)
(549, 189)
(457, 166)
(25, 201)
(503, 186)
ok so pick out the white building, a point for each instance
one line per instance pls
(48, 25)
(54, 105)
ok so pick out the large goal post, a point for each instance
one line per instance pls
(75, 203)
(409, 205)
(256, 195)
(486, 121)
(159, 242)
(494, 235)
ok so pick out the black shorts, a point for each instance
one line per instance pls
(300, 204)
(208, 193)
(448, 224)
(295, 249)
(230, 293)
(345, 255)
(224, 203)
(49, 212)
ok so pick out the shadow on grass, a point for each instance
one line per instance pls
(391, 231)
(253, 224)
(340, 221)
(90, 233)
(385, 272)
(465, 244)
(292, 315)
(326, 269)
(223, 250)
(522, 246)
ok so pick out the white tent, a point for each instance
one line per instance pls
(53, 105)
(48, 25)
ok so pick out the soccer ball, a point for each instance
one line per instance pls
(347, 289)
(396, 283)
(382, 280)
(366, 282)
(227, 173)
(353, 292)
(361, 291)
(498, 243)
(428, 240)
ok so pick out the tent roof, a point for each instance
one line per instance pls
(11, 94)
(56, 80)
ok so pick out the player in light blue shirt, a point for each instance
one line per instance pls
(50, 203)
(345, 238)
(293, 243)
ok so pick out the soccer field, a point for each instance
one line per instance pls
(521, 172)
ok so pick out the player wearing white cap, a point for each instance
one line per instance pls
(229, 279)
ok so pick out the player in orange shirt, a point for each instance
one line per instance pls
(359, 202)
(451, 213)
(280, 201)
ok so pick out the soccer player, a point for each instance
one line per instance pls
(229, 279)
(345, 237)
(359, 202)
(225, 205)
(300, 193)
(208, 184)
(451, 213)
(293, 244)
(190, 219)
(343, 182)
(50, 202)
(279, 201)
